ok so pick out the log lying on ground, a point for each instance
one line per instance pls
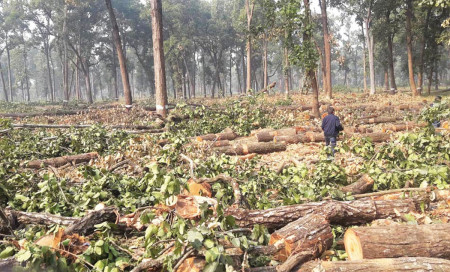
(133, 127)
(49, 113)
(377, 137)
(60, 161)
(308, 137)
(363, 185)
(379, 120)
(86, 225)
(217, 137)
(307, 231)
(267, 136)
(403, 126)
(305, 239)
(405, 264)
(258, 148)
(398, 241)
(27, 218)
(337, 212)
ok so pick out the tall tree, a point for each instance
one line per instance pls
(409, 47)
(121, 56)
(158, 54)
(249, 8)
(327, 49)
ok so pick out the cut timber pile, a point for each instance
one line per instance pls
(363, 185)
(405, 264)
(337, 212)
(258, 148)
(398, 241)
(60, 161)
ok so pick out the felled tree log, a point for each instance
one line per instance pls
(377, 137)
(86, 225)
(363, 185)
(337, 212)
(155, 128)
(379, 120)
(308, 137)
(403, 126)
(27, 218)
(406, 264)
(60, 161)
(398, 241)
(305, 232)
(267, 136)
(258, 148)
(217, 137)
(221, 143)
(35, 114)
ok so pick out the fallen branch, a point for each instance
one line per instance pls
(258, 148)
(60, 161)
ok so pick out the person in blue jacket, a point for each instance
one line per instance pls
(331, 127)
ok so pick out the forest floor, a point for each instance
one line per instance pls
(158, 173)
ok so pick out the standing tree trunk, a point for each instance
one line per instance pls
(5, 90)
(121, 56)
(327, 48)
(49, 69)
(386, 79)
(158, 55)
(422, 51)
(310, 70)
(249, 7)
(204, 74)
(11, 91)
(409, 15)
(286, 69)
(87, 78)
(391, 64)
(370, 45)
(266, 77)
(65, 57)
(364, 60)
(231, 69)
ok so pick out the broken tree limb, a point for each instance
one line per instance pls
(258, 148)
(405, 264)
(86, 225)
(303, 233)
(363, 185)
(337, 212)
(33, 218)
(398, 241)
(60, 161)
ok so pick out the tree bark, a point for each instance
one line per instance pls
(258, 148)
(370, 45)
(86, 225)
(265, 59)
(158, 55)
(308, 231)
(398, 241)
(87, 79)
(5, 90)
(65, 57)
(422, 51)
(343, 213)
(11, 91)
(386, 79)
(391, 60)
(249, 7)
(409, 15)
(121, 56)
(286, 68)
(60, 161)
(363, 185)
(327, 48)
(405, 264)
(364, 60)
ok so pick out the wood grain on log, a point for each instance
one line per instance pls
(405, 264)
(398, 241)
(303, 233)
(60, 161)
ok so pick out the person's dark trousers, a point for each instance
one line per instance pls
(331, 142)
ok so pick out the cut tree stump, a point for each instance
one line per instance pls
(405, 264)
(306, 232)
(60, 161)
(398, 241)
(363, 185)
(258, 148)
(337, 212)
